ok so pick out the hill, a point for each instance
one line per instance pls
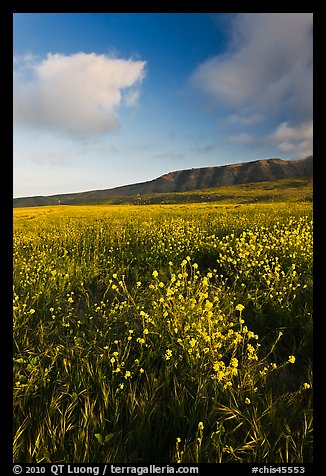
(191, 180)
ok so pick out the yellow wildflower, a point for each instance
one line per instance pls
(200, 425)
(291, 359)
(234, 362)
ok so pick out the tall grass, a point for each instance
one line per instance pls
(163, 334)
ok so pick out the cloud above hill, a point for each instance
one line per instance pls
(79, 94)
(265, 73)
(295, 140)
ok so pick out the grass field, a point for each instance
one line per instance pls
(163, 333)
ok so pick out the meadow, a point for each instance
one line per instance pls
(163, 333)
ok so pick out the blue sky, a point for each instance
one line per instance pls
(103, 100)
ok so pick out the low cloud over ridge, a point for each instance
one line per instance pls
(79, 93)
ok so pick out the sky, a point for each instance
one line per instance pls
(102, 100)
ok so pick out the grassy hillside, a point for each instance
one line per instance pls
(293, 190)
(298, 189)
(195, 179)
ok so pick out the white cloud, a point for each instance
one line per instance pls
(267, 68)
(294, 140)
(131, 98)
(245, 119)
(284, 132)
(299, 149)
(80, 93)
(242, 138)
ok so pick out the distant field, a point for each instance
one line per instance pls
(166, 333)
